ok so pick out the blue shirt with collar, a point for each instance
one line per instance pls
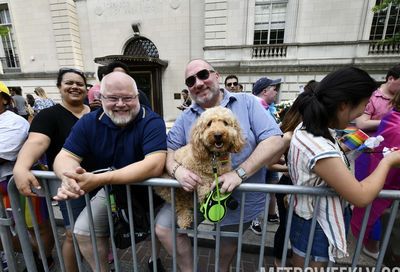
(96, 136)
(257, 125)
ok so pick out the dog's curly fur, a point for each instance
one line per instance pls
(216, 131)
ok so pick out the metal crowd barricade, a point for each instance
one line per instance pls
(50, 184)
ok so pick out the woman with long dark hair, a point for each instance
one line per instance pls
(315, 159)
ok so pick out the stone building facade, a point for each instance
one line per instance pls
(296, 40)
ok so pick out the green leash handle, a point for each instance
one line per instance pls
(216, 186)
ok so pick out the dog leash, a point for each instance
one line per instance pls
(215, 172)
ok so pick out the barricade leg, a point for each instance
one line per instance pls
(20, 226)
(5, 237)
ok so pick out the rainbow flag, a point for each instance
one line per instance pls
(355, 139)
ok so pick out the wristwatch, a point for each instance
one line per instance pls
(241, 173)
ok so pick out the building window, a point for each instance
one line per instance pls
(385, 23)
(8, 55)
(269, 22)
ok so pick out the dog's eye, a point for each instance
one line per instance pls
(209, 124)
(225, 123)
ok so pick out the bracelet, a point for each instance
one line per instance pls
(174, 170)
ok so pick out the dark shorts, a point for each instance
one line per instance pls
(299, 232)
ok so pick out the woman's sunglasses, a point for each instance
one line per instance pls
(202, 75)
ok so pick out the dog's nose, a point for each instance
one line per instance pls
(218, 137)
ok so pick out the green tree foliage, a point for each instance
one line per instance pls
(3, 30)
(384, 4)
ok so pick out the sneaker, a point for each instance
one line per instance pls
(373, 255)
(160, 268)
(273, 218)
(256, 226)
(4, 262)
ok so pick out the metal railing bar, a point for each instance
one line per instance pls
(111, 226)
(131, 227)
(385, 242)
(152, 229)
(5, 236)
(20, 226)
(92, 232)
(174, 230)
(312, 232)
(53, 225)
(74, 240)
(264, 232)
(357, 250)
(287, 231)
(39, 241)
(195, 241)
(240, 238)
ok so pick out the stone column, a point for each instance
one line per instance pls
(66, 33)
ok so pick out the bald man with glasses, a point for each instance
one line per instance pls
(123, 135)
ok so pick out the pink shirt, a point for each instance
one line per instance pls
(94, 92)
(378, 105)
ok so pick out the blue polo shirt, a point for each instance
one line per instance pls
(96, 136)
(257, 125)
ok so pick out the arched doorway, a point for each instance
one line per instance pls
(141, 56)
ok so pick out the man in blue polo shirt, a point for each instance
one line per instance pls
(264, 145)
(124, 135)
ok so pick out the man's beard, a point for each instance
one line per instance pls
(121, 120)
(212, 95)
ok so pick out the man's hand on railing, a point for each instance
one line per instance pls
(228, 182)
(25, 180)
(69, 185)
(86, 180)
(187, 179)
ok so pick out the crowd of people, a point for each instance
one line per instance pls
(117, 129)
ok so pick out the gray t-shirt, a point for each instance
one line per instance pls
(20, 104)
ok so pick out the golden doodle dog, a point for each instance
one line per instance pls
(214, 136)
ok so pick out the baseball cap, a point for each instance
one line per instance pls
(4, 89)
(263, 83)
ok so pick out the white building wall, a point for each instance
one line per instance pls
(34, 34)
(320, 35)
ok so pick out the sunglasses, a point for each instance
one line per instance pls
(232, 83)
(71, 70)
(202, 75)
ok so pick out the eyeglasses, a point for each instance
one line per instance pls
(232, 83)
(72, 70)
(116, 99)
(202, 75)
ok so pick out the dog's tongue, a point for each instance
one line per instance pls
(219, 145)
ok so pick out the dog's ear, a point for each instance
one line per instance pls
(238, 142)
(199, 150)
